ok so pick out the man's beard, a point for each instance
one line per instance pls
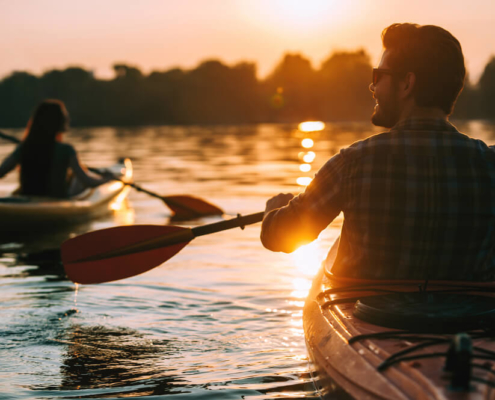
(387, 114)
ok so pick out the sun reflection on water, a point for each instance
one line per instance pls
(124, 213)
(305, 167)
(307, 260)
(311, 126)
(309, 157)
(304, 180)
(308, 128)
(302, 286)
(307, 143)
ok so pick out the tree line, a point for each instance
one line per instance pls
(215, 93)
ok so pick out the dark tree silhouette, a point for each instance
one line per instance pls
(291, 90)
(215, 93)
(468, 103)
(19, 95)
(343, 91)
(487, 90)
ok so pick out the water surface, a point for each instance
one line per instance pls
(220, 320)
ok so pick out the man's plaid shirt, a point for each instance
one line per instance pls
(418, 203)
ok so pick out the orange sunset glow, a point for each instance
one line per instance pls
(256, 199)
(157, 35)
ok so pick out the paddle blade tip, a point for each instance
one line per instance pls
(185, 206)
(121, 252)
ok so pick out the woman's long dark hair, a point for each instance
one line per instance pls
(49, 119)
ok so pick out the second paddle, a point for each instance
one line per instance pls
(124, 251)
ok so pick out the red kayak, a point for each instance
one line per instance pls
(400, 339)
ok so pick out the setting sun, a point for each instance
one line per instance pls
(296, 13)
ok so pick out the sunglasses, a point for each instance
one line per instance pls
(378, 72)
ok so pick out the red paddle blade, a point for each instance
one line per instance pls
(121, 252)
(185, 206)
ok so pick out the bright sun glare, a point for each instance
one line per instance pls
(294, 17)
(307, 143)
(311, 126)
(301, 13)
(307, 259)
(309, 157)
(304, 180)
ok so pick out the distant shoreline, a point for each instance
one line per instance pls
(289, 124)
(218, 94)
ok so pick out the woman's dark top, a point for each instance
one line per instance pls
(64, 160)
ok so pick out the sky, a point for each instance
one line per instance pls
(39, 35)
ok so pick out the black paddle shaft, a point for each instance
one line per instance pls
(240, 221)
(141, 189)
(9, 137)
(138, 188)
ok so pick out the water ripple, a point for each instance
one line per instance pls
(220, 320)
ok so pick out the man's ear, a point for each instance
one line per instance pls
(408, 84)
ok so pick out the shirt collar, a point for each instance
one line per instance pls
(424, 124)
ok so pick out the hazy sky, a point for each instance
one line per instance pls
(37, 35)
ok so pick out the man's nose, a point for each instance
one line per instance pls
(372, 88)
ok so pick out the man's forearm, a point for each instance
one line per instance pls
(285, 230)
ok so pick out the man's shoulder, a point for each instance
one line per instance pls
(411, 140)
(371, 143)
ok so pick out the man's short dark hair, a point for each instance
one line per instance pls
(434, 56)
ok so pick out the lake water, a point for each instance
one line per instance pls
(220, 320)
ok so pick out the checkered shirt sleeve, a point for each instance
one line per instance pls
(307, 214)
(418, 203)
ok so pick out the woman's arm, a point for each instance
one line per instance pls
(82, 175)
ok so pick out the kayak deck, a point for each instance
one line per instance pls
(358, 359)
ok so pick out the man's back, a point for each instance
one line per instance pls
(418, 203)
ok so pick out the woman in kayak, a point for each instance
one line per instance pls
(48, 167)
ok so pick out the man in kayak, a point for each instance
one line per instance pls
(418, 200)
